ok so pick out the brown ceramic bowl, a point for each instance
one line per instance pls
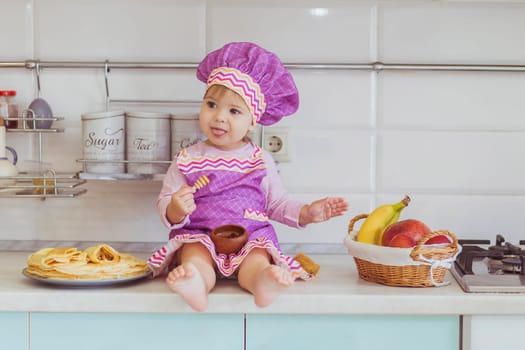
(229, 239)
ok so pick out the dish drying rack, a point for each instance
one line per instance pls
(43, 185)
(27, 128)
(25, 121)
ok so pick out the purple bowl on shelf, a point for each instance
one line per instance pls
(39, 108)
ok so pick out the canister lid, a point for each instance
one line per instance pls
(148, 115)
(100, 115)
(185, 116)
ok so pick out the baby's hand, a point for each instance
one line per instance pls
(182, 204)
(322, 210)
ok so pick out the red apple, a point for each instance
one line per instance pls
(401, 241)
(410, 229)
(438, 240)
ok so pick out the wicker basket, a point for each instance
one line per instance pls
(420, 266)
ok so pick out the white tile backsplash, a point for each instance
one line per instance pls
(108, 211)
(452, 162)
(319, 109)
(14, 31)
(451, 100)
(445, 32)
(296, 30)
(453, 141)
(119, 30)
(155, 85)
(335, 161)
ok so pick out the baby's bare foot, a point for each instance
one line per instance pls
(187, 281)
(270, 283)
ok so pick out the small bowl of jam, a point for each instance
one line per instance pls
(229, 239)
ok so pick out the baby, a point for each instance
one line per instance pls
(245, 86)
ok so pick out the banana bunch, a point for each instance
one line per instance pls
(374, 226)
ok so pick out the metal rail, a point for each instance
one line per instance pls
(374, 66)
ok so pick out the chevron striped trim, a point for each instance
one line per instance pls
(190, 165)
(161, 259)
(257, 215)
(242, 84)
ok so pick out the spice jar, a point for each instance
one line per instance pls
(9, 108)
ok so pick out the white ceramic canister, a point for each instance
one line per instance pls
(147, 139)
(185, 131)
(103, 138)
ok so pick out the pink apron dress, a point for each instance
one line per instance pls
(233, 196)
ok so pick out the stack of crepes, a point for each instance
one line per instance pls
(99, 262)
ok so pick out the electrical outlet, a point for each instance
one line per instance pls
(277, 141)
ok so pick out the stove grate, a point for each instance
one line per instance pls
(503, 257)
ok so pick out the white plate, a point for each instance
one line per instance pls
(85, 283)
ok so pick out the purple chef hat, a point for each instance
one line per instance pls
(257, 75)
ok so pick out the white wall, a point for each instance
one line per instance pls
(453, 141)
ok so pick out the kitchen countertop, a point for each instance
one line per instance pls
(337, 290)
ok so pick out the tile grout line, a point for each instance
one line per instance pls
(374, 56)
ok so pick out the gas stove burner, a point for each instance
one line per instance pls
(482, 267)
(509, 264)
(505, 247)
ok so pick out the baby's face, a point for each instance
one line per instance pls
(224, 118)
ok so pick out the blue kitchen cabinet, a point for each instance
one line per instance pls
(13, 331)
(355, 332)
(135, 331)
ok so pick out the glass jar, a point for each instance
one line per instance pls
(9, 108)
